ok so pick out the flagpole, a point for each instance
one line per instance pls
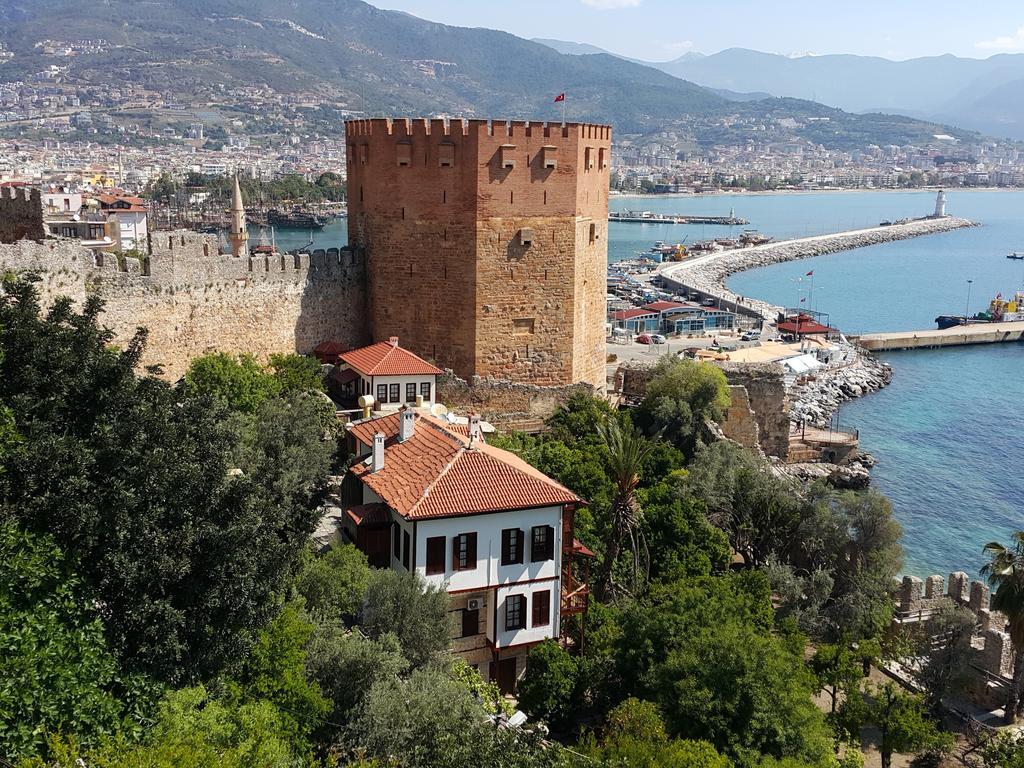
(563, 107)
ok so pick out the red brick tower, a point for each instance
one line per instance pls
(486, 243)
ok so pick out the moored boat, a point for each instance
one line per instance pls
(1000, 310)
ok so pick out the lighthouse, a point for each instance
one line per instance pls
(239, 235)
(940, 205)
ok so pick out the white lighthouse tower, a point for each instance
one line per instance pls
(940, 205)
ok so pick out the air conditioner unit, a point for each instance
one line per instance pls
(474, 604)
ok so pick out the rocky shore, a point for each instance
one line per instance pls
(707, 274)
(817, 400)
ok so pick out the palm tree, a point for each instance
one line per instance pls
(1005, 574)
(627, 452)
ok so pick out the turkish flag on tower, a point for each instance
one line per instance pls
(810, 274)
(559, 97)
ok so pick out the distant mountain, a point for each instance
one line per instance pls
(572, 49)
(386, 62)
(983, 94)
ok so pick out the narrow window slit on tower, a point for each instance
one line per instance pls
(403, 214)
(444, 195)
(511, 197)
(545, 197)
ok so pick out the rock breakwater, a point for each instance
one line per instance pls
(815, 400)
(707, 274)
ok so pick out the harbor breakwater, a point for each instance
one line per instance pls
(706, 275)
(816, 400)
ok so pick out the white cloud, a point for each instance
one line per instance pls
(1014, 42)
(683, 46)
(608, 5)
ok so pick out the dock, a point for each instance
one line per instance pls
(960, 335)
(645, 217)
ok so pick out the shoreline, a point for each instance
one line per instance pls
(770, 192)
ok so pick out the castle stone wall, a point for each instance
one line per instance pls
(486, 243)
(21, 215)
(194, 300)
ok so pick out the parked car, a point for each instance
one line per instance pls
(708, 302)
(643, 338)
(657, 338)
(753, 335)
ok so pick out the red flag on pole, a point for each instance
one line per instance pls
(811, 273)
(559, 97)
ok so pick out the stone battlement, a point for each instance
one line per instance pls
(194, 299)
(21, 214)
(452, 128)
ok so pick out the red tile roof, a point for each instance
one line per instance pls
(629, 314)
(436, 474)
(369, 514)
(386, 358)
(661, 306)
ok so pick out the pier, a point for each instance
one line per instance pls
(646, 217)
(960, 335)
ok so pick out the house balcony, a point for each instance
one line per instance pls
(575, 595)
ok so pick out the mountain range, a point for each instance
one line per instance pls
(387, 62)
(982, 94)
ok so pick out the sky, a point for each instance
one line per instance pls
(660, 30)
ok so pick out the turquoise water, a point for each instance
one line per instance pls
(949, 431)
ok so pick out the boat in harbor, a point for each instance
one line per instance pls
(1015, 255)
(999, 310)
(294, 219)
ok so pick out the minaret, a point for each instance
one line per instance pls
(239, 234)
(940, 205)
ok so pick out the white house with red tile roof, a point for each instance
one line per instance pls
(391, 375)
(130, 214)
(493, 531)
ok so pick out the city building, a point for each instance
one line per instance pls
(391, 375)
(129, 215)
(431, 496)
(486, 243)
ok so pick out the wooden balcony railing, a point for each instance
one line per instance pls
(574, 596)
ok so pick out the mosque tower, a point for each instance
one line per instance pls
(239, 234)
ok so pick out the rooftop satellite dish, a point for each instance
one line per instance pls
(438, 409)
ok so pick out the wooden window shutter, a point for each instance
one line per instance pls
(541, 609)
(506, 547)
(456, 565)
(435, 554)
(471, 551)
(550, 543)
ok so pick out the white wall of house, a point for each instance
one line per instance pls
(529, 634)
(489, 572)
(132, 229)
(402, 382)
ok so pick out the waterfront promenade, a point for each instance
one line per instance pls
(960, 335)
(706, 275)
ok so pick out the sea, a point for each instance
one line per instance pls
(948, 433)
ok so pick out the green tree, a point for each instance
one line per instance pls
(681, 396)
(58, 674)
(416, 613)
(297, 373)
(548, 687)
(1005, 573)
(943, 653)
(182, 524)
(275, 671)
(627, 452)
(239, 382)
(902, 722)
(1003, 751)
(333, 583)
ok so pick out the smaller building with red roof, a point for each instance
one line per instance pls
(391, 375)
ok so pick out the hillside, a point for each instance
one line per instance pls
(204, 52)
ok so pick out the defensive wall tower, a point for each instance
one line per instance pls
(485, 243)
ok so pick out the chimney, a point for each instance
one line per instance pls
(474, 429)
(393, 341)
(378, 452)
(407, 425)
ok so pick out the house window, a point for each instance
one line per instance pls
(515, 612)
(395, 393)
(405, 550)
(470, 623)
(464, 552)
(382, 393)
(511, 546)
(396, 543)
(410, 393)
(541, 609)
(542, 546)
(435, 555)
(425, 390)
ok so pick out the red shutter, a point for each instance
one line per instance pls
(435, 555)
(541, 609)
(455, 553)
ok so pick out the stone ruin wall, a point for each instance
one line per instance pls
(507, 405)
(992, 661)
(194, 300)
(21, 215)
(758, 414)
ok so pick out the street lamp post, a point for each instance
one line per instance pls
(967, 308)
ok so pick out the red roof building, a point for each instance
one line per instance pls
(391, 375)
(433, 497)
